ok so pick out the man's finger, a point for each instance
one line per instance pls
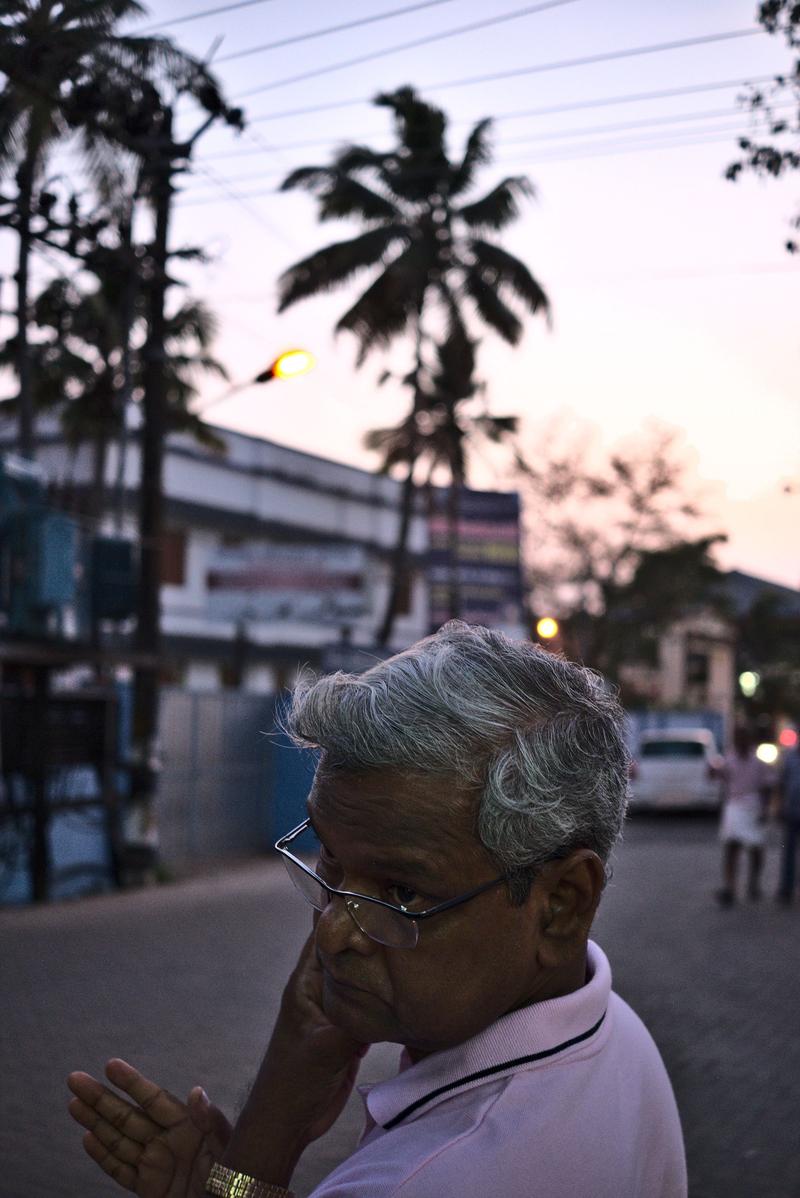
(127, 1119)
(123, 1147)
(163, 1108)
(209, 1120)
(123, 1175)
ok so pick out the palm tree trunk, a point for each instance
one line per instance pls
(98, 489)
(27, 174)
(400, 554)
(454, 545)
(399, 557)
(151, 505)
(126, 390)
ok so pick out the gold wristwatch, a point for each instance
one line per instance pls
(230, 1183)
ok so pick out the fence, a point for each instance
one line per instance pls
(231, 782)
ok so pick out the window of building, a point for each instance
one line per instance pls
(173, 557)
(697, 669)
(404, 593)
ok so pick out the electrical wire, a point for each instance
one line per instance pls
(537, 68)
(631, 146)
(624, 126)
(501, 18)
(197, 16)
(517, 114)
(586, 130)
(255, 215)
(314, 33)
(584, 152)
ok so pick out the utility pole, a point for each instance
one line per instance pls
(25, 443)
(163, 158)
(160, 167)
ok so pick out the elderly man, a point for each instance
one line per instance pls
(468, 796)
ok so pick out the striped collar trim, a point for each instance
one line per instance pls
(491, 1070)
(519, 1040)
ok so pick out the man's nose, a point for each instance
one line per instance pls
(337, 930)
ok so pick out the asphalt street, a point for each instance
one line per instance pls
(184, 980)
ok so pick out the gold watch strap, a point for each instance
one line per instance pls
(230, 1183)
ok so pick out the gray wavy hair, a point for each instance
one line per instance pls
(539, 738)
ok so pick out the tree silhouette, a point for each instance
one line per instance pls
(426, 244)
(435, 434)
(77, 367)
(612, 543)
(60, 62)
(781, 153)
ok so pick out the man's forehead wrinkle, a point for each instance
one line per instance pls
(438, 835)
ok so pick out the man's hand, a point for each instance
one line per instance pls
(305, 1079)
(306, 1046)
(157, 1146)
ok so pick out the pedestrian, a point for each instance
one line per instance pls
(789, 798)
(746, 791)
(468, 795)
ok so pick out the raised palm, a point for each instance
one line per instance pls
(155, 1146)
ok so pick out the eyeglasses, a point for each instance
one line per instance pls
(393, 926)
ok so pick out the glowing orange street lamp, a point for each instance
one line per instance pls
(547, 628)
(288, 365)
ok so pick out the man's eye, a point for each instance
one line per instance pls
(404, 896)
(328, 869)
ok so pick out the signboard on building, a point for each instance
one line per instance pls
(317, 584)
(487, 577)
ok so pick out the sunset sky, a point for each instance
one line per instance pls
(673, 299)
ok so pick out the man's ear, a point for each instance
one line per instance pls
(569, 891)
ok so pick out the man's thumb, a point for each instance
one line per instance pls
(208, 1118)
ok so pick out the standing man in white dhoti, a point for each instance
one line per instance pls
(744, 816)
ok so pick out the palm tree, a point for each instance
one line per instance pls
(425, 241)
(77, 367)
(59, 61)
(437, 431)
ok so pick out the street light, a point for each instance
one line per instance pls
(288, 365)
(547, 628)
(749, 682)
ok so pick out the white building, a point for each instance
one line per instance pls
(271, 557)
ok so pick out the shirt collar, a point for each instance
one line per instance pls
(516, 1041)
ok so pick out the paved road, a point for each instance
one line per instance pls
(184, 981)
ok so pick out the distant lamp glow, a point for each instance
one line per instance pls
(788, 738)
(768, 753)
(289, 365)
(286, 366)
(547, 628)
(748, 683)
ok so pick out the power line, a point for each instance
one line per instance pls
(600, 102)
(314, 33)
(206, 12)
(538, 68)
(622, 126)
(633, 97)
(629, 146)
(397, 49)
(242, 200)
(590, 150)
(555, 135)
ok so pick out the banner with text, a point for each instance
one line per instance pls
(486, 581)
(317, 584)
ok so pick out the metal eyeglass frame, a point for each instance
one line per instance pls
(281, 844)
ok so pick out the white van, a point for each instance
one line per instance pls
(676, 768)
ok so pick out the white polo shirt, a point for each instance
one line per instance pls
(567, 1098)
